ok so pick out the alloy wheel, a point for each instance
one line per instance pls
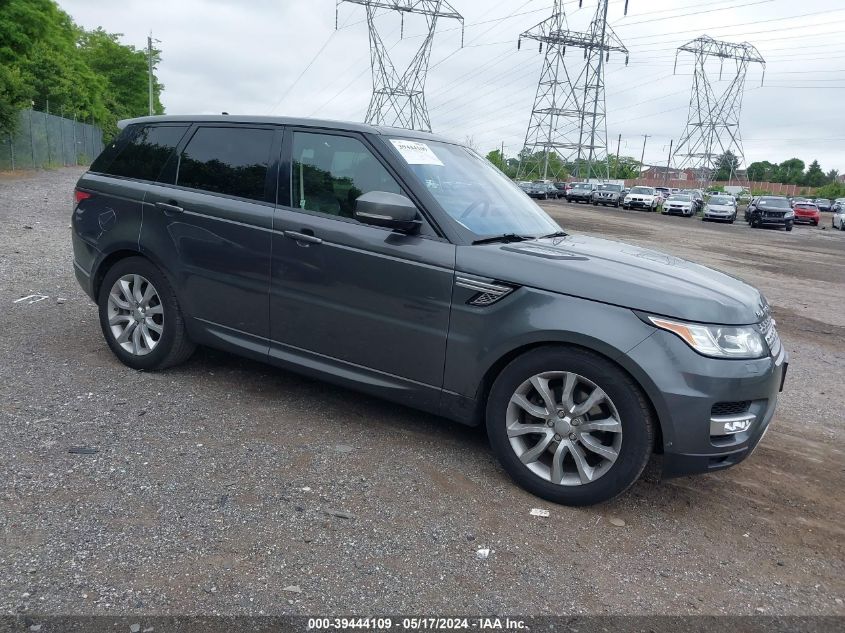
(564, 428)
(136, 314)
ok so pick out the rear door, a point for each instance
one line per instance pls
(355, 296)
(209, 221)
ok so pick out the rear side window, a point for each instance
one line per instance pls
(228, 160)
(140, 152)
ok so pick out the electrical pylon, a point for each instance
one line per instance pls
(568, 121)
(712, 127)
(399, 100)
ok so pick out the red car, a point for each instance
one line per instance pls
(806, 212)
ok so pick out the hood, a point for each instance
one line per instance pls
(619, 274)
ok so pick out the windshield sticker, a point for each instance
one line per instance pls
(415, 152)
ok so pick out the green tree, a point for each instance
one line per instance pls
(815, 176)
(726, 166)
(47, 59)
(832, 175)
(790, 172)
(762, 171)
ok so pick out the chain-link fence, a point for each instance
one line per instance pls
(43, 140)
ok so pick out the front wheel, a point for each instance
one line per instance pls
(140, 316)
(569, 426)
(788, 227)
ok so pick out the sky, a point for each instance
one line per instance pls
(286, 57)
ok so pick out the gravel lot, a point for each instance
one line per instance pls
(227, 486)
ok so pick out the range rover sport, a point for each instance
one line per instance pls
(404, 265)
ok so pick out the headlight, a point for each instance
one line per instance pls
(790, 214)
(719, 341)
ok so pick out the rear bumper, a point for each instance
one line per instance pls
(688, 385)
(806, 220)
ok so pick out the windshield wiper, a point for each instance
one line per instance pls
(555, 234)
(505, 237)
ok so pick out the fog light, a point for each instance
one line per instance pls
(731, 424)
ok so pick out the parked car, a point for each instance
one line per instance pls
(806, 213)
(321, 248)
(697, 199)
(641, 198)
(795, 201)
(769, 211)
(720, 207)
(679, 204)
(663, 191)
(538, 190)
(838, 204)
(607, 194)
(562, 188)
(838, 220)
(823, 204)
(580, 192)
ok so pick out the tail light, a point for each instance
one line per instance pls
(79, 196)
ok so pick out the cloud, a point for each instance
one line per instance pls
(244, 57)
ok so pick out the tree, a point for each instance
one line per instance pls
(815, 176)
(790, 172)
(726, 166)
(833, 175)
(762, 171)
(47, 59)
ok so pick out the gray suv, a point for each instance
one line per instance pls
(404, 265)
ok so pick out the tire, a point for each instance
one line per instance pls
(788, 227)
(816, 223)
(633, 412)
(755, 223)
(172, 345)
(617, 204)
(624, 208)
(595, 204)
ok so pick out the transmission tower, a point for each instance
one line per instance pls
(568, 122)
(712, 127)
(399, 100)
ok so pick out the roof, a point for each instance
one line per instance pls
(348, 126)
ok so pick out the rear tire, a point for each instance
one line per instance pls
(594, 478)
(161, 341)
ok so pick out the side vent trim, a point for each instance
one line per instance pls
(487, 293)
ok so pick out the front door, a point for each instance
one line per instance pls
(354, 296)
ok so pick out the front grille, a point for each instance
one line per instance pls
(730, 408)
(767, 327)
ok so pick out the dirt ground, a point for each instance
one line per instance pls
(225, 486)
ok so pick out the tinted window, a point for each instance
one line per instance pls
(780, 203)
(229, 160)
(140, 152)
(330, 172)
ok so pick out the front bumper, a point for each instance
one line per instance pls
(686, 386)
(677, 210)
(642, 204)
(577, 197)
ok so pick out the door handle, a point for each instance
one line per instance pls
(303, 239)
(169, 208)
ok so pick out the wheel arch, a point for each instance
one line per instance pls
(109, 260)
(496, 368)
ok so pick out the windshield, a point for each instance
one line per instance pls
(609, 187)
(472, 191)
(646, 190)
(680, 197)
(721, 200)
(778, 203)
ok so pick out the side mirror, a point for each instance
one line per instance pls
(389, 210)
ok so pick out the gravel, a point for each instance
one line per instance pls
(225, 486)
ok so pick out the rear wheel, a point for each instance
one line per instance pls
(140, 316)
(569, 426)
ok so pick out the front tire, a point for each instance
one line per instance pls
(140, 316)
(569, 426)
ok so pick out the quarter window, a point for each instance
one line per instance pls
(228, 160)
(140, 152)
(329, 173)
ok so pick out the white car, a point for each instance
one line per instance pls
(839, 218)
(679, 204)
(720, 207)
(641, 198)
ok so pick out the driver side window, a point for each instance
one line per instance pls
(329, 172)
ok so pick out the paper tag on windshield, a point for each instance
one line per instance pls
(415, 152)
